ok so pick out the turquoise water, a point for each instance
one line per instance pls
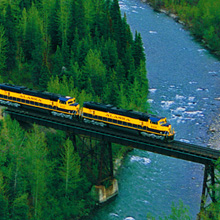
(184, 81)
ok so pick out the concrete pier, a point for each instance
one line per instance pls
(102, 194)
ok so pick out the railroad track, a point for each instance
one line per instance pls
(177, 149)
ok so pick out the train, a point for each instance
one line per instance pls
(99, 114)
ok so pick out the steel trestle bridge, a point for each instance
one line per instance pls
(177, 149)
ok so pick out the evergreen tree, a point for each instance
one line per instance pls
(116, 22)
(138, 50)
(4, 215)
(3, 43)
(37, 167)
(54, 26)
(72, 202)
(76, 20)
(57, 63)
(20, 208)
(13, 139)
(70, 169)
(94, 69)
(25, 4)
(10, 34)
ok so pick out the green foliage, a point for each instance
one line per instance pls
(178, 212)
(95, 70)
(37, 168)
(10, 34)
(4, 215)
(202, 17)
(21, 208)
(3, 44)
(70, 168)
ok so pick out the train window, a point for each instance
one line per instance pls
(100, 118)
(120, 122)
(1, 96)
(5, 96)
(135, 126)
(105, 119)
(41, 105)
(50, 106)
(22, 100)
(18, 99)
(125, 123)
(32, 103)
(95, 116)
(129, 124)
(155, 123)
(36, 103)
(62, 102)
(114, 121)
(28, 102)
(139, 126)
(109, 120)
(14, 98)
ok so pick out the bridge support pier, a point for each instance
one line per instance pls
(210, 182)
(101, 193)
(97, 155)
(107, 185)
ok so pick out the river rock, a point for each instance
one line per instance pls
(214, 141)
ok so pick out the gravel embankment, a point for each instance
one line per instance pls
(214, 141)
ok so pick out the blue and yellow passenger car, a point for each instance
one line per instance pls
(146, 124)
(22, 97)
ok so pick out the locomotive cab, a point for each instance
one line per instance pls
(68, 104)
(160, 125)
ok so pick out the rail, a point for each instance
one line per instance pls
(177, 149)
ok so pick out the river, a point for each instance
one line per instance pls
(184, 81)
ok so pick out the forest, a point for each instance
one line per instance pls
(80, 48)
(202, 17)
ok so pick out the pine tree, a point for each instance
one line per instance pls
(37, 167)
(3, 43)
(21, 208)
(116, 21)
(4, 215)
(94, 69)
(76, 21)
(138, 50)
(13, 139)
(10, 34)
(57, 63)
(70, 169)
(54, 26)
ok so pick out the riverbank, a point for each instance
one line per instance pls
(214, 129)
(188, 25)
(167, 12)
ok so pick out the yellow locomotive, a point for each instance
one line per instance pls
(20, 96)
(146, 124)
(92, 112)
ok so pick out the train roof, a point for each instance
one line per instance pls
(26, 91)
(65, 99)
(129, 113)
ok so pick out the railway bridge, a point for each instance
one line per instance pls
(93, 137)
